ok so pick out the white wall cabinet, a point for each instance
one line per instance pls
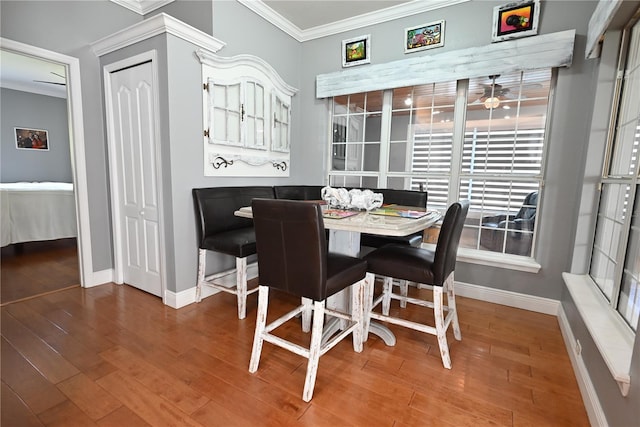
(247, 117)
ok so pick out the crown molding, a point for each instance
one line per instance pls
(158, 24)
(142, 7)
(356, 22)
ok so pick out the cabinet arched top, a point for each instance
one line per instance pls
(251, 61)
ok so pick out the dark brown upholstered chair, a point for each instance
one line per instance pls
(219, 230)
(298, 192)
(434, 268)
(403, 198)
(519, 228)
(293, 257)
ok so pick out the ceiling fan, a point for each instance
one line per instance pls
(493, 93)
(54, 83)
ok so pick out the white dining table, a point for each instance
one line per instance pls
(344, 238)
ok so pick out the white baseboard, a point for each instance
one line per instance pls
(188, 296)
(508, 298)
(98, 278)
(588, 392)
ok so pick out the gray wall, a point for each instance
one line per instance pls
(30, 111)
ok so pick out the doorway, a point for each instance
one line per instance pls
(76, 145)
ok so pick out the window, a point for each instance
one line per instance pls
(480, 139)
(615, 259)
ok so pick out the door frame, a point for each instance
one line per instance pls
(76, 148)
(116, 212)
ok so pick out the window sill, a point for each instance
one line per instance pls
(493, 259)
(613, 338)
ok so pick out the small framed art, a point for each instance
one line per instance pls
(31, 139)
(425, 36)
(514, 20)
(356, 51)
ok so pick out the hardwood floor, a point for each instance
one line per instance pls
(115, 356)
(36, 268)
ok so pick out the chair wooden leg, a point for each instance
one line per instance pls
(366, 304)
(441, 331)
(241, 286)
(387, 288)
(358, 294)
(451, 302)
(202, 262)
(306, 313)
(314, 350)
(261, 322)
(404, 291)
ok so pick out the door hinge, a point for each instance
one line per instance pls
(205, 86)
(242, 112)
(206, 133)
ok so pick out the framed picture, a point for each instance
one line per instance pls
(513, 20)
(425, 36)
(356, 51)
(31, 139)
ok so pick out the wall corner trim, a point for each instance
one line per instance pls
(157, 24)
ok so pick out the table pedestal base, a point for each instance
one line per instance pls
(375, 328)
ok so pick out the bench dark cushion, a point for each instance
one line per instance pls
(218, 228)
(298, 192)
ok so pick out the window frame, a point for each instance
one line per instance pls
(608, 179)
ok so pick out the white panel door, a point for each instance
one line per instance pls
(133, 114)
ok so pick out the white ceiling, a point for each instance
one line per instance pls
(27, 74)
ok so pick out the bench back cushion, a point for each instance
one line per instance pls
(298, 192)
(215, 207)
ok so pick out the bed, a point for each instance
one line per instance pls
(32, 211)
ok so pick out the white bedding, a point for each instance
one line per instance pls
(31, 211)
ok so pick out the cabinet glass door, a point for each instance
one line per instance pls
(225, 113)
(281, 118)
(254, 116)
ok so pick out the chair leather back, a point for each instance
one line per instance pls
(447, 247)
(215, 207)
(528, 209)
(292, 247)
(403, 197)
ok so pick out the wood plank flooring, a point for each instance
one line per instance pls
(115, 356)
(36, 268)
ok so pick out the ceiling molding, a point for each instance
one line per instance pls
(529, 53)
(142, 7)
(158, 24)
(356, 22)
